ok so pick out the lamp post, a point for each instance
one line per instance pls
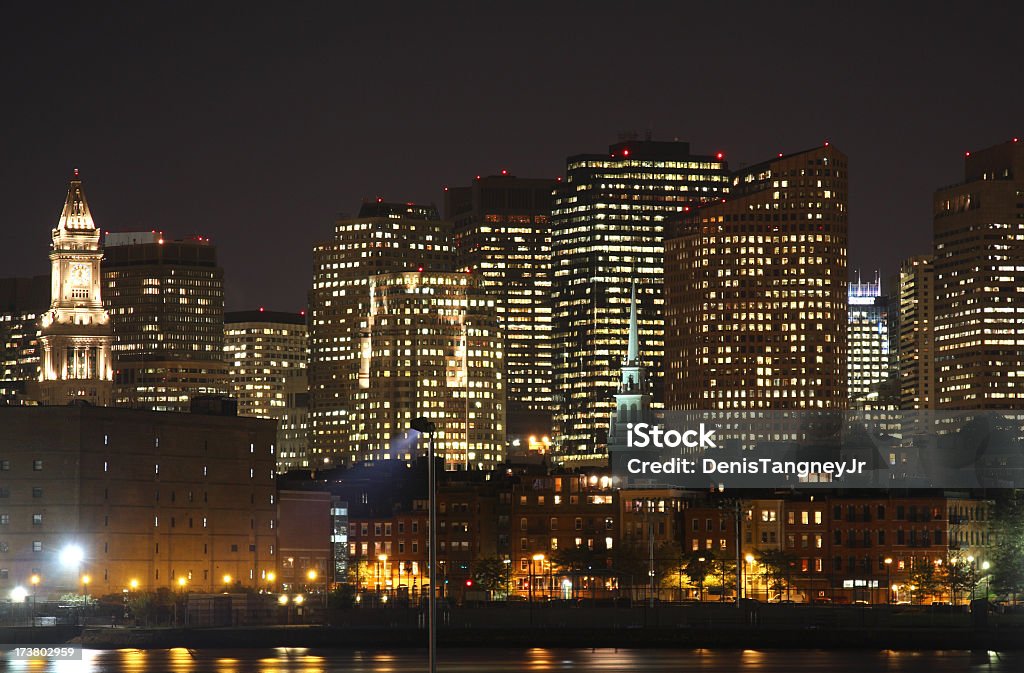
(424, 425)
(749, 558)
(974, 571)
(34, 580)
(985, 565)
(508, 578)
(888, 579)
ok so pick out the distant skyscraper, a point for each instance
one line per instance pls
(384, 238)
(979, 282)
(75, 332)
(22, 302)
(166, 299)
(266, 355)
(430, 346)
(502, 231)
(869, 361)
(610, 219)
(756, 291)
(917, 333)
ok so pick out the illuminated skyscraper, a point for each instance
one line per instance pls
(917, 333)
(870, 364)
(430, 346)
(979, 283)
(610, 218)
(756, 291)
(384, 238)
(166, 300)
(502, 232)
(22, 302)
(266, 355)
(75, 332)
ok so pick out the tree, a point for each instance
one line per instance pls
(1008, 561)
(698, 566)
(923, 580)
(778, 568)
(578, 560)
(958, 575)
(491, 574)
(723, 577)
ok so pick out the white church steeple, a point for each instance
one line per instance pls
(633, 399)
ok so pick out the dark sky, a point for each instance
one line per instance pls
(256, 123)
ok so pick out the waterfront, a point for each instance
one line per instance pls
(302, 660)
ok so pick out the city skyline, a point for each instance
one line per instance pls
(153, 162)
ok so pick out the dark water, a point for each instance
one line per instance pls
(300, 660)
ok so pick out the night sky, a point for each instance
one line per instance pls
(256, 123)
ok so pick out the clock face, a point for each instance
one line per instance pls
(81, 275)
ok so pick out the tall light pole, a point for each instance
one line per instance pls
(888, 579)
(424, 425)
(35, 587)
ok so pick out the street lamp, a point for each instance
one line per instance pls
(988, 578)
(888, 578)
(424, 425)
(749, 558)
(383, 558)
(271, 577)
(227, 580)
(508, 578)
(34, 580)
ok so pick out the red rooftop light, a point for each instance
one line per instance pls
(261, 309)
(967, 154)
(504, 171)
(780, 155)
(625, 153)
(826, 143)
(420, 269)
(719, 156)
(380, 200)
(1015, 139)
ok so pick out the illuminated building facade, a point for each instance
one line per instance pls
(430, 346)
(22, 302)
(916, 327)
(870, 363)
(266, 355)
(166, 500)
(75, 333)
(610, 219)
(166, 299)
(502, 231)
(756, 291)
(979, 282)
(384, 238)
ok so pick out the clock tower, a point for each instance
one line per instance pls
(76, 333)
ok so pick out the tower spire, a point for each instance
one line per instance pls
(76, 215)
(633, 349)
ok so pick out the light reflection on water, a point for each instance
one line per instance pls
(303, 660)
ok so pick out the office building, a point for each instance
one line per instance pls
(75, 333)
(166, 298)
(106, 499)
(384, 238)
(266, 354)
(917, 333)
(979, 282)
(430, 346)
(756, 291)
(870, 363)
(22, 303)
(610, 218)
(502, 231)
